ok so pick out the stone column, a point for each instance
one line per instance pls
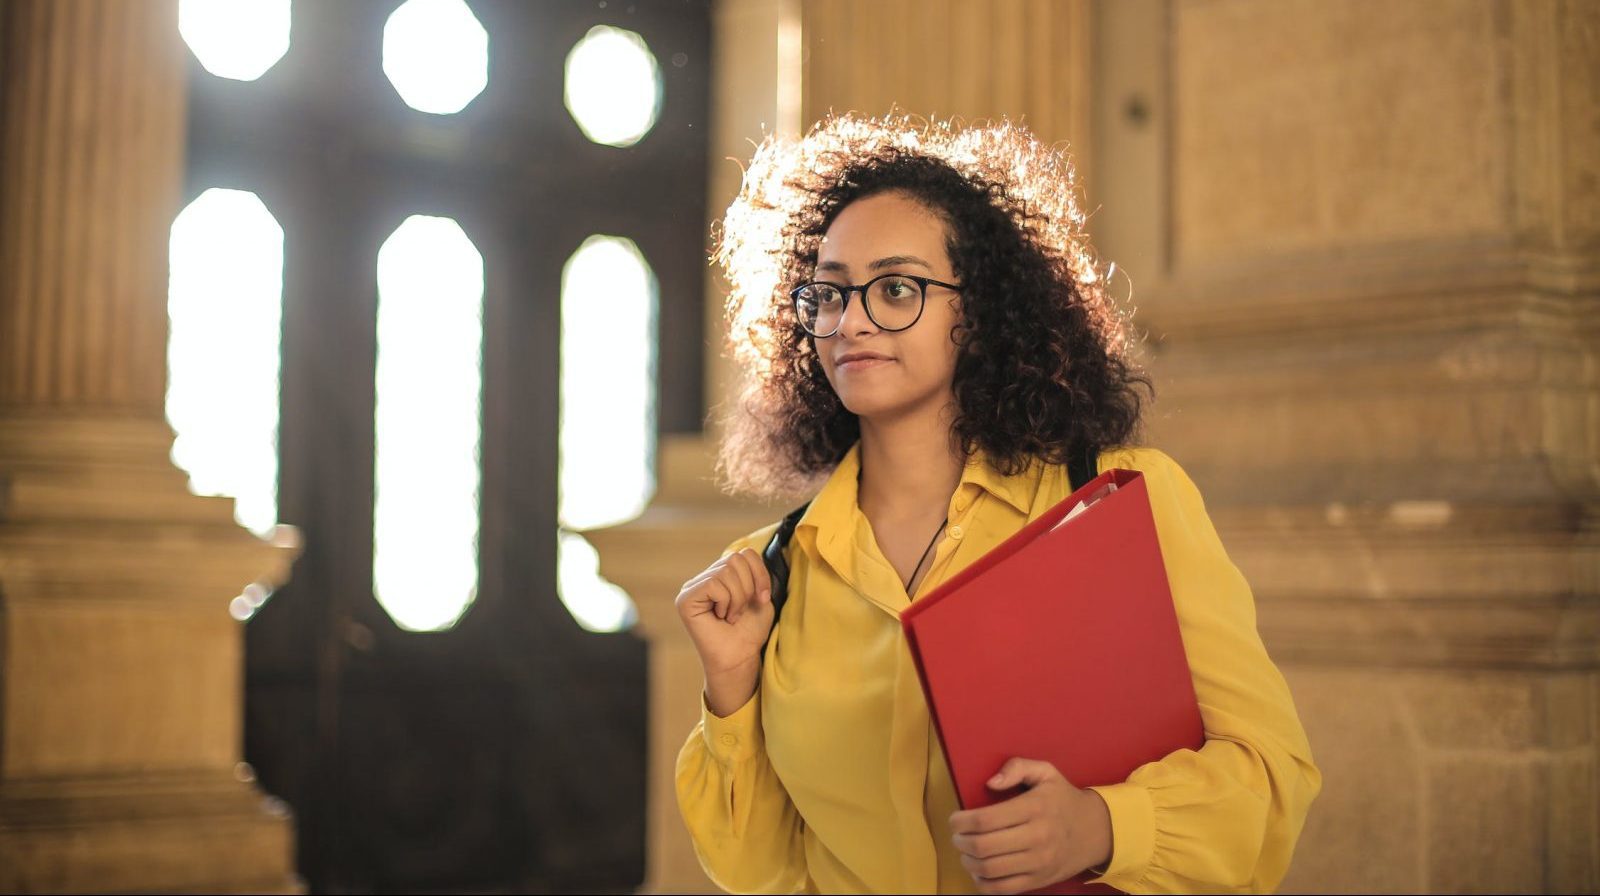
(120, 667)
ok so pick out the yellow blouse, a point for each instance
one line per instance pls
(831, 779)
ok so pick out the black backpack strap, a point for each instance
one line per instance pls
(777, 561)
(1083, 468)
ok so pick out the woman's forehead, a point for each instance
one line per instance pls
(886, 226)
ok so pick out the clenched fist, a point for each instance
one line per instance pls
(727, 610)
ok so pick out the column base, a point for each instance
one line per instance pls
(173, 833)
(121, 669)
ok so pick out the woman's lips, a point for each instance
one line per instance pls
(855, 365)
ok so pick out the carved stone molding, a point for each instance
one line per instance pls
(1465, 416)
(1403, 286)
(1424, 583)
(91, 507)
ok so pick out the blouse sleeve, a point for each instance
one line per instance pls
(745, 829)
(1225, 818)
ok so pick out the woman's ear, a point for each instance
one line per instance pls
(959, 331)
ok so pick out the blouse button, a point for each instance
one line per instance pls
(956, 532)
(730, 739)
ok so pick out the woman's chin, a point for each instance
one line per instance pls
(868, 406)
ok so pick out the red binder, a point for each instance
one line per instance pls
(1060, 644)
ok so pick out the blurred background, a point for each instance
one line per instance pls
(359, 364)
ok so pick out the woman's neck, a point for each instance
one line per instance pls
(909, 466)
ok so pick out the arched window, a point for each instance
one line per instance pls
(224, 305)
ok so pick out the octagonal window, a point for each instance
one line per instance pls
(224, 304)
(427, 429)
(436, 55)
(237, 39)
(613, 86)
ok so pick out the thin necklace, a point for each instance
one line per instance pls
(918, 568)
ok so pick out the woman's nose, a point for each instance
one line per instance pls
(856, 319)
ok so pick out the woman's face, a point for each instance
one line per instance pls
(880, 374)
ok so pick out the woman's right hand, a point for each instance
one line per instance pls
(727, 610)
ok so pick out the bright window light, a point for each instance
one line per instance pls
(429, 385)
(436, 54)
(608, 337)
(237, 39)
(608, 412)
(224, 301)
(595, 603)
(613, 86)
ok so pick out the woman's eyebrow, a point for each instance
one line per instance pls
(894, 260)
(839, 267)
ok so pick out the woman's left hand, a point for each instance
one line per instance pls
(1046, 834)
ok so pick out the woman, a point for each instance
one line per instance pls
(927, 333)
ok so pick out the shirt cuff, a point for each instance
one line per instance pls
(1133, 834)
(735, 737)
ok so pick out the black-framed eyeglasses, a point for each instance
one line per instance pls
(893, 302)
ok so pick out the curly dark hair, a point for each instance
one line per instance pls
(1043, 367)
